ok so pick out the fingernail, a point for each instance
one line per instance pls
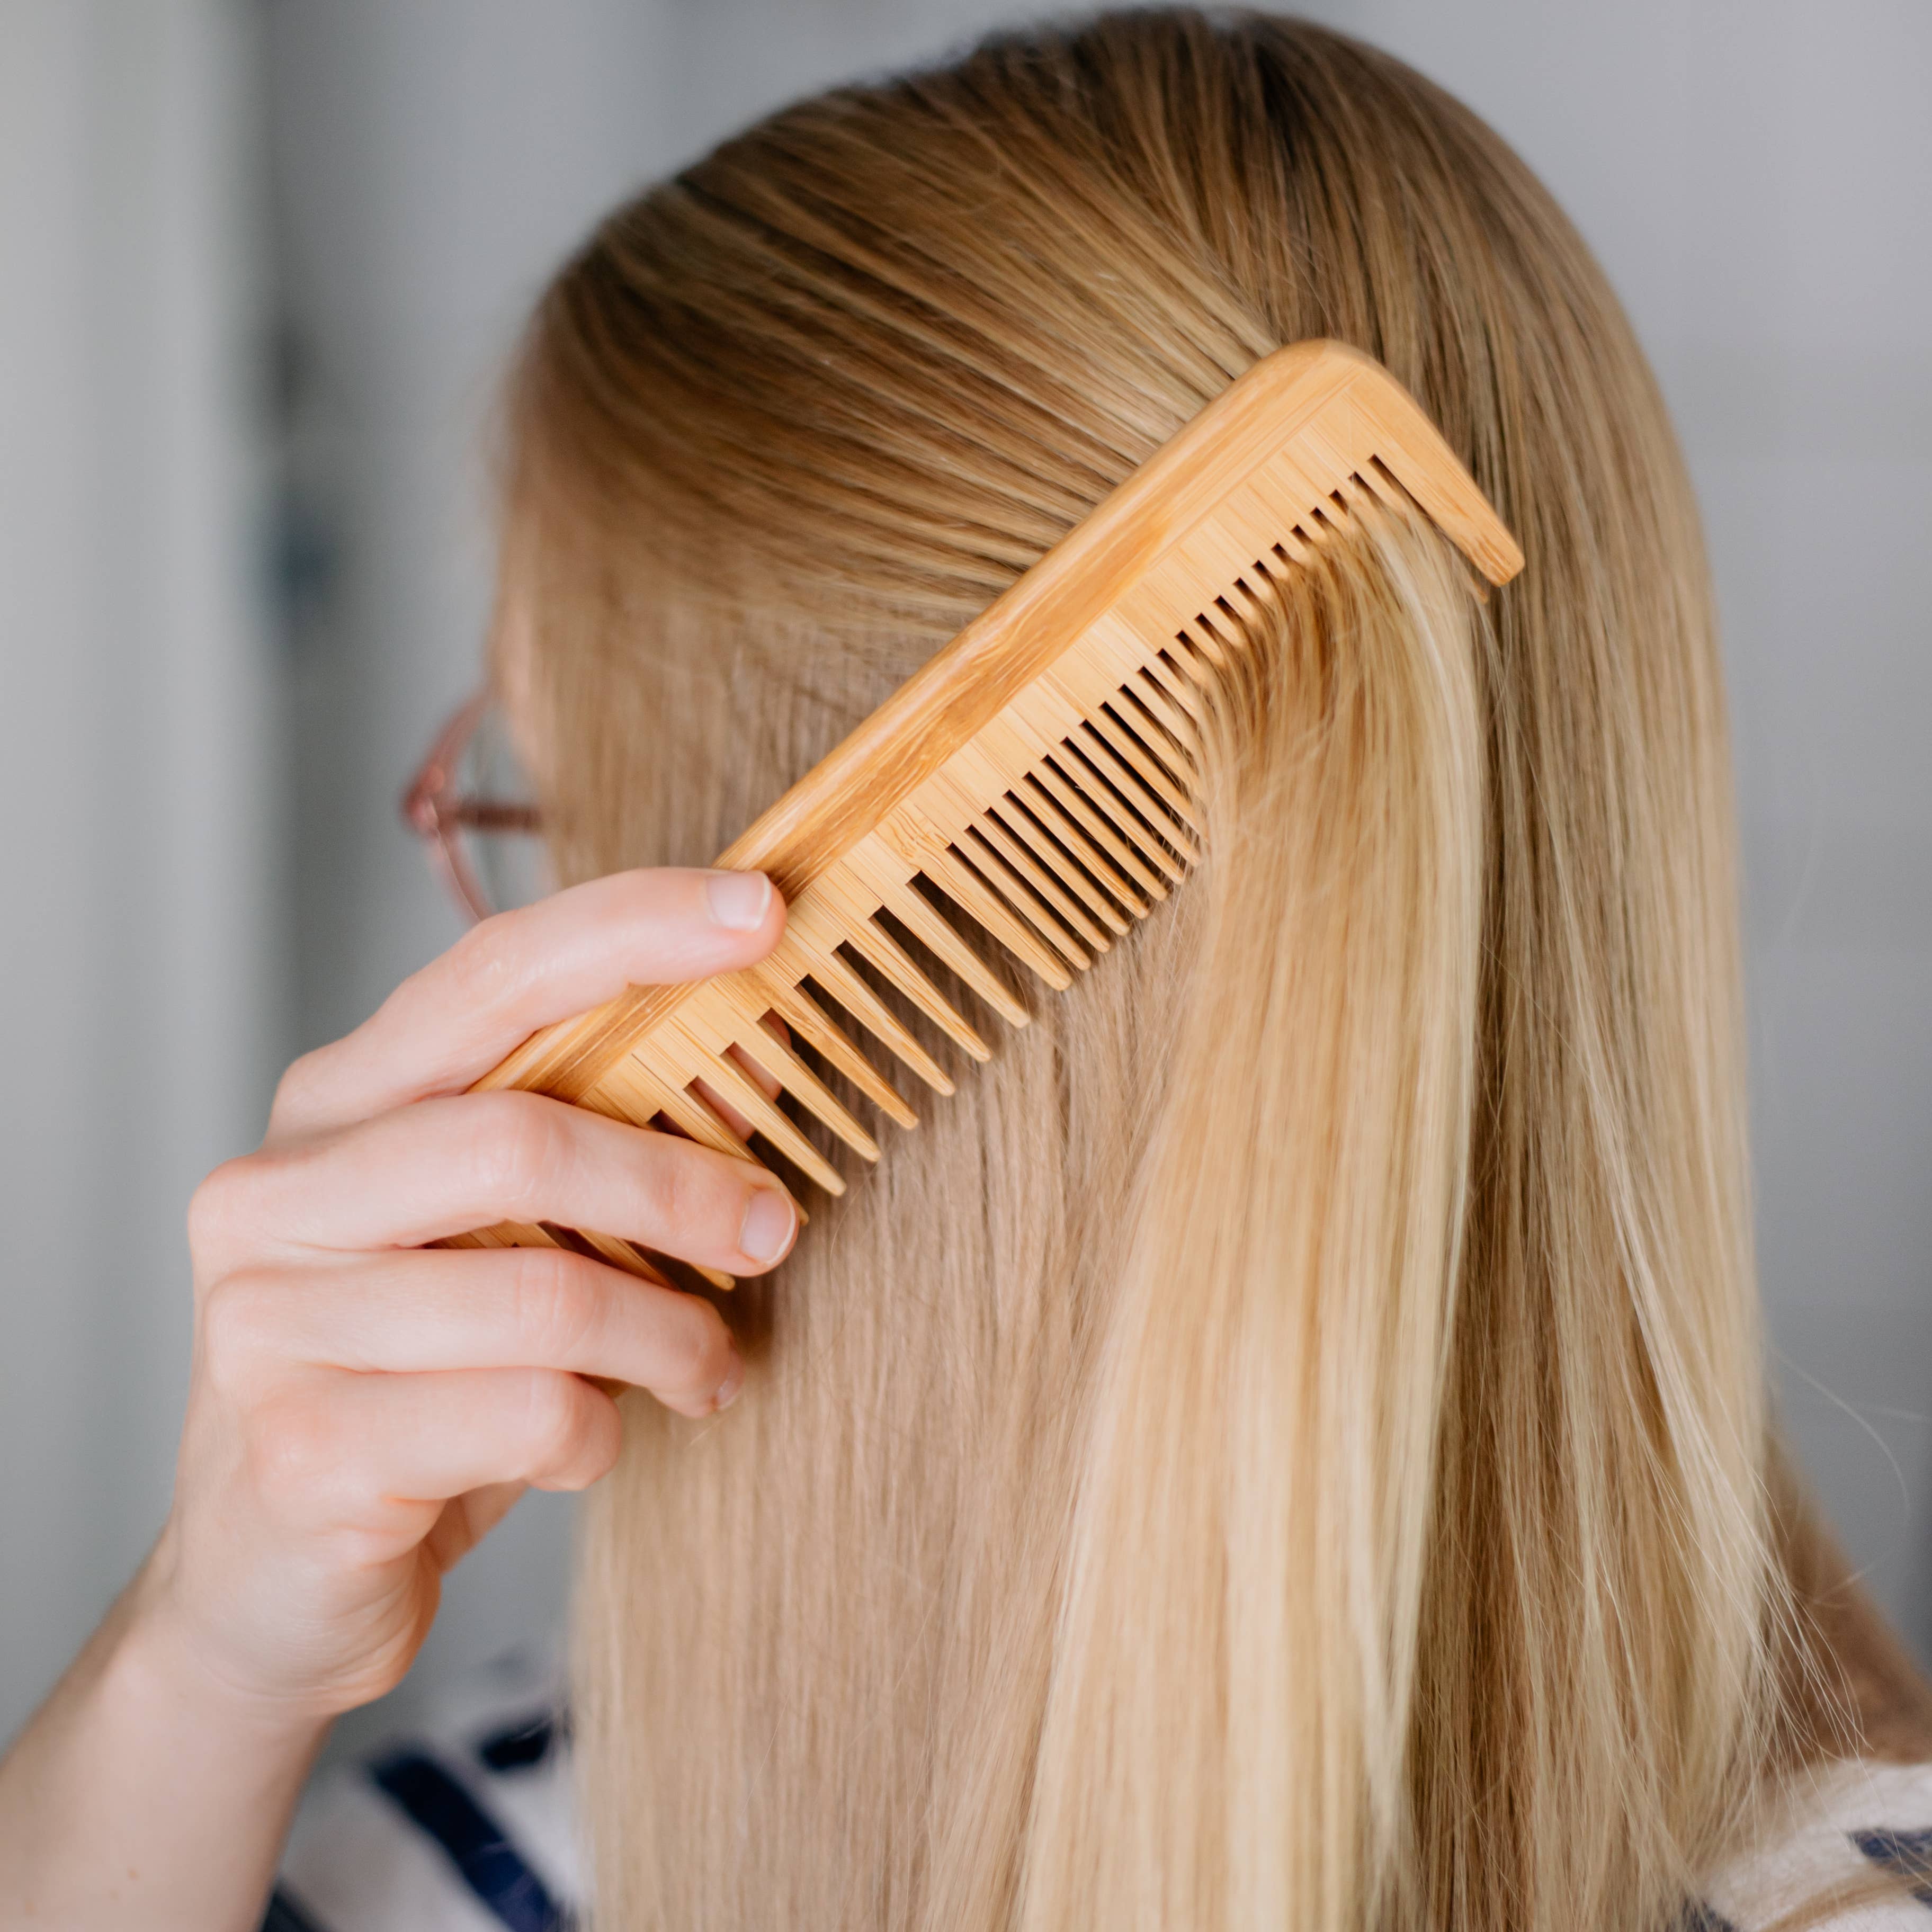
(728, 1389)
(739, 900)
(769, 1220)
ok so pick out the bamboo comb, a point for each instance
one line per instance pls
(1036, 773)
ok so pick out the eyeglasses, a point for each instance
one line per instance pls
(470, 804)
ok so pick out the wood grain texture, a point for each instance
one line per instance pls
(1035, 776)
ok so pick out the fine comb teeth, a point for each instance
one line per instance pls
(1036, 775)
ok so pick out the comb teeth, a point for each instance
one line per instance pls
(1069, 831)
(891, 960)
(1031, 872)
(1156, 717)
(1035, 785)
(808, 1020)
(1078, 900)
(774, 1058)
(1020, 863)
(1034, 871)
(1121, 849)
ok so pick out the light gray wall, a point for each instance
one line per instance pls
(140, 949)
(1753, 174)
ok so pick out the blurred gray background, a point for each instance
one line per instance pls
(260, 264)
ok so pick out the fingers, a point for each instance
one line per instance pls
(381, 1454)
(446, 1027)
(439, 1310)
(445, 1166)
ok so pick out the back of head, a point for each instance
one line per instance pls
(1285, 1444)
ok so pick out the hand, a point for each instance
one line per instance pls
(362, 1410)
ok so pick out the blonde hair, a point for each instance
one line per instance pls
(1285, 1444)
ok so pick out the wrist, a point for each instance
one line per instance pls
(149, 1789)
(161, 1662)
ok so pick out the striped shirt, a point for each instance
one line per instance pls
(470, 1829)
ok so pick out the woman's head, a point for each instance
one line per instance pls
(1284, 1443)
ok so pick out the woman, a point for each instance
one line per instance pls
(1285, 1444)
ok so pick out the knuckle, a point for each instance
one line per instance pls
(697, 1352)
(296, 1455)
(221, 1201)
(480, 966)
(680, 1195)
(559, 1305)
(238, 1321)
(521, 1146)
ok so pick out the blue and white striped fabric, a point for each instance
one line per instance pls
(1839, 1827)
(470, 1829)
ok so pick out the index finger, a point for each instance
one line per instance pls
(443, 1028)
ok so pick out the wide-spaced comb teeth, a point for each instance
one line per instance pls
(738, 1089)
(542, 1235)
(685, 1110)
(842, 982)
(775, 1059)
(1038, 776)
(890, 958)
(811, 1024)
(923, 921)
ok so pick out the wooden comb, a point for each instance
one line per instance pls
(1035, 775)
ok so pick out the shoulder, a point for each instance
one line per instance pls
(1854, 1840)
(467, 1826)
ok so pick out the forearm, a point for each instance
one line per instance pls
(144, 1794)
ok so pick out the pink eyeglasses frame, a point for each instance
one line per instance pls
(435, 810)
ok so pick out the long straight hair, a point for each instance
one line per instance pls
(1285, 1444)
